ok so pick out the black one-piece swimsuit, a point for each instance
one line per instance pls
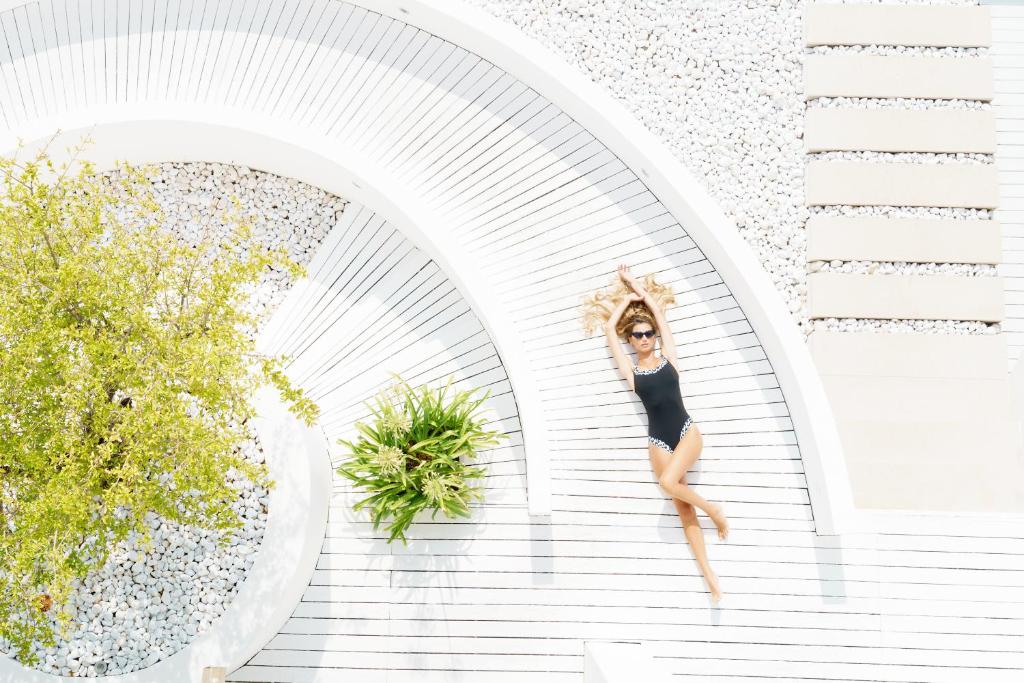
(667, 419)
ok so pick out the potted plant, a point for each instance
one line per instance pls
(414, 454)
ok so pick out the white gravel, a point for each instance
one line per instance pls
(896, 103)
(904, 267)
(899, 50)
(721, 83)
(142, 607)
(905, 157)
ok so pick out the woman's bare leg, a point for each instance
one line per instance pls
(671, 479)
(691, 527)
(695, 536)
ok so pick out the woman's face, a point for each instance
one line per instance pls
(644, 343)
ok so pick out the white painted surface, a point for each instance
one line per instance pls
(610, 662)
(1008, 105)
(680, 193)
(1017, 389)
(373, 304)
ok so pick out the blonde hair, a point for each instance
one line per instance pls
(599, 306)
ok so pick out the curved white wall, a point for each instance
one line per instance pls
(406, 165)
(687, 200)
(144, 134)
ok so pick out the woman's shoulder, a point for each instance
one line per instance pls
(673, 362)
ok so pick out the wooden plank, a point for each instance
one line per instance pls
(295, 29)
(341, 23)
(768, 634)
(385, 40)
(539, 164)
(394, 72)
(34, 35)
(1008, 71)
(16, 68)
(460, 69)
(468, 661)
(546, 128)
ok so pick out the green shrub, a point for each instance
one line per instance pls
(127, 363)
(411, 457)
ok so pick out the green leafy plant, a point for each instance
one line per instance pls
(127, 361)
(412, 456)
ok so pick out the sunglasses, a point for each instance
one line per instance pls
(641, 335)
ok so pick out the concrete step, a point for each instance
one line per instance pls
(917, 240)
(929, 25)
(865, 183)
(918, 297)
(867, 397)
(956, 356)
(899, 130)
(846, 75)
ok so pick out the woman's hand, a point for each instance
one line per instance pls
(626, 277)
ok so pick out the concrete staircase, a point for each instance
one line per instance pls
(927, 421)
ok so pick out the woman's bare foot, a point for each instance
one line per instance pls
(712, 581)
(718, 517)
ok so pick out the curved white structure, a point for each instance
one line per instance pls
(201, 133)
(426, 145)
(689, 202)
(296, 456)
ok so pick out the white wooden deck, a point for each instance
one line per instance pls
(373, 304)
(1008, 104)
(546, 211)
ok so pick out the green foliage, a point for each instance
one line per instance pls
(127, 361)
(411, 457)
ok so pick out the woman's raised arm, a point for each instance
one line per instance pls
(668, 344)
(625, 367)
